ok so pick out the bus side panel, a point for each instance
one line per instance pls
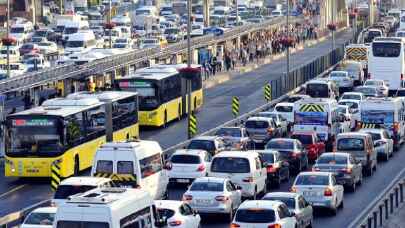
(198, 98)
(127, 133)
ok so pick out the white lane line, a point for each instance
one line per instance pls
(12, 190)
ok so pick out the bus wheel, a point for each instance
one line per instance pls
(195, 104)
(165, 119)
(76, 166)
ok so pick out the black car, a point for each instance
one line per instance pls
(277, 168)
(292, 151)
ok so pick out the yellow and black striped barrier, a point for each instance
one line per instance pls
(122, 180)
(192, 129)
(56, 177)
(235, 106)
(368, 125)
(312, 108)
(357, 54)
(267, 92)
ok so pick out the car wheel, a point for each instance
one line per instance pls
(360, 182)
(231, 214)
(369, 171)
(353, 186)
(310, 223)
(334, 211)
(277, 182)
(341, 205)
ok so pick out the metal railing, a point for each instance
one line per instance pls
(44, 76)
(379, 211)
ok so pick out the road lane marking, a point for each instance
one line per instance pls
(12, 190)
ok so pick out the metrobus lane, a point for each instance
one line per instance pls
(216, 110)
(354, 203)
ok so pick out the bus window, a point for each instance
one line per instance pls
(170, 88)
(74, 129)
(125, 112)
(95, 122)
(386, 49)
(317, 90)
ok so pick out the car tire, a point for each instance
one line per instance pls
(341, 205)
(353, 186)
(230, 218)
(334, 211)
(277, 182)
(360, 182)
(310, 223)
(76, 168)
(369, 171)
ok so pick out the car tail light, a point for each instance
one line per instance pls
(270, 130)
(294, 155)
(396, 126)
(358, 126)
(187, 197)
(316, 169)
(274, 226)
(201, 168)
(222, 198)
(234, 225)
(347, 170)
(271, 168)
(168, 166)
(327, 192)
(175, 223)
(402, 77)
(369, 75)
(248, 179)
(293, 189)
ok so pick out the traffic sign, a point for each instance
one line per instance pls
(193, 124)
(56, 177)
(235, 106)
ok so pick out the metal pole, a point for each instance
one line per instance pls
(189, 65)
(60, 7)
(355, 20)
(334, 22)
(8, 36)
(108, 122)
(288, 36)
(109, 22)
(237, 13)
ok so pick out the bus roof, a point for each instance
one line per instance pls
(106, 96)
(62, 107)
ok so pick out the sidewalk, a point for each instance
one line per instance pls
(397, 220)
(224, 76)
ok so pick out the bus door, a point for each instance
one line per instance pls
(183, 96)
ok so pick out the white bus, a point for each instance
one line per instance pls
(402, 20)
(386, 61)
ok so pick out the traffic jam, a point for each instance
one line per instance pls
(324, 142)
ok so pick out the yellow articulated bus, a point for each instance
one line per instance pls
(162, 93)
(66, 131)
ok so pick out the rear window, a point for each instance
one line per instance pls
(350, 144)
(280, 145)
(268, 158)
(290, 202)
(312, 180)
(80, 224)
(207, 186)
(317, 90)
(202, 145)
(125, 167)
(304, 139)
(232, 132)
(165, 213)
(185, 159)
(330, 159)
(284, 108)
(230, 165)
(255, 215)
(64, 191)
(104, 166)
(351, 96)
(256, 124)
(40, 219)
(375, 136)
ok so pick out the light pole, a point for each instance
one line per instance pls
(8, 36)
(188, 66)
(288, 37)
(109, 21)
(334, 23)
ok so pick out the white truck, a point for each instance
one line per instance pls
(319, 115)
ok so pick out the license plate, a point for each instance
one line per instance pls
(310, 194)
(183, 180)
(203, 201)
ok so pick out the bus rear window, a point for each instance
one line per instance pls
(81, 224)
(386, 49)
(104, 166)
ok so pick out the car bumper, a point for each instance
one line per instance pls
(220, 209)
(322, 203)
(345, 179)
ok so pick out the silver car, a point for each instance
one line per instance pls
(234, 137)
(296, 203)
(214, 195)
(347, 170)
(281, 122)
(383, 144)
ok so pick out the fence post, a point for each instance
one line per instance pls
(386, 208)
(380, 208)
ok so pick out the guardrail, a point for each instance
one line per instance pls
(34, 79)
(379, 211)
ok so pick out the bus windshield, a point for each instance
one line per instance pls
(317, 90)
(34, 136)
(386, 49)
(148, 95)
(377, 117)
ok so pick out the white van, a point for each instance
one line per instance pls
(244, 168)
(135, 164)
(22, 32)
(321, 88)
(108, 208)
(81, 42)
(74, 27)
(74, 185)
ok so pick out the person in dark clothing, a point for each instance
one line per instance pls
(213, 64)
(228, 61)
(27, 101)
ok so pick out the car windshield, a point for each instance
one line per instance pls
(312, 180)
(232, 132)
(185, 159)
(70, 30)
(373, 83)
(40, 33)
(150, 41)
(304, 139)
(40, 218)
(34, 136)
(64, 191)
(338, 74)
(255, 215)
(267, 157)
(366, 91)
(284, 108)
(332, 159)
(256, 124)
(290, 202)
(45, 44)
(351, 97)
(280, 145)
(230, 165)
(350, 144)
(74, 44)
(171, 31)
(120, 45)
(206, 145)
(17, 30)
(207, 186)
(165, 213)
(27, 46)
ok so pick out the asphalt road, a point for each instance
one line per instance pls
(16, 194)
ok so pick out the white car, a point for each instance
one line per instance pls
(285, 110)
(354, 108)
(296, 203)
(47, 47)
(383, 144)
(347, 122)
(213, 195)
(352, 96)
(381, 85)
(178, 214)
(342, 80)
(264, 213)
(186, 165)
(320, 189)
(40, 218)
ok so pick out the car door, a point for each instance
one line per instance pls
(338, 190)
(286, 220)
(305, 209)
(230, 188)
(191, 219)
(260, 174)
